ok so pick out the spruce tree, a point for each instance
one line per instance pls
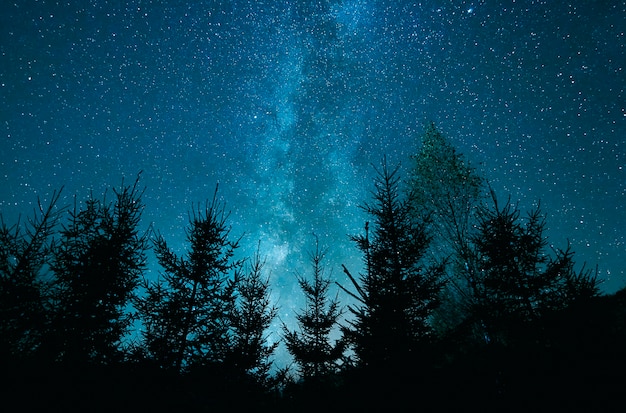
(517, 281)
(24, 255)
(187, 312)
(445, 187)
(252, 317)
(97, 264)
(398, 290)
(312, 348)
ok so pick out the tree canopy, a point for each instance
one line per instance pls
(459, 301)
(399, 289)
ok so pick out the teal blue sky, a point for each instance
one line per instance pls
(287, 105)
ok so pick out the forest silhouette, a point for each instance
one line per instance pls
(460, 304)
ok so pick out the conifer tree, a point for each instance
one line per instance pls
(97, 264)
(446, 188)
(23, 255)
(252, 317)
(398, 290)
(517, 281)
(312, 347)
(187, 313)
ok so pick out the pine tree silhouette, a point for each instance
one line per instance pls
(312, 347)
(516, 279)
(187, 313)
(97, 264)
(397, 292)
(446, 188)
(23, 255)
(252, 317)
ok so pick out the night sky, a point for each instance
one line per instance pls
(288, 104)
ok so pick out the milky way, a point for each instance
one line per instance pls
(288, 105)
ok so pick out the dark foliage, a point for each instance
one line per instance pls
(252, 317)
(312, 348)
(520, 329)
(514, 280)
(444, 187)
(97, 264)
(187, 312)
(24, 256)
(398, 291)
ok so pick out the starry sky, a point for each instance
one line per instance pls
(287, 104)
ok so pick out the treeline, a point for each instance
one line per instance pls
(460, 303)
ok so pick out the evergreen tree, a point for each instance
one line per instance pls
(24, 255)
(97, 265)
(311, 347)
(517, 281)
(187, 313)
(398, 291)
(444, 187)
(252, 317)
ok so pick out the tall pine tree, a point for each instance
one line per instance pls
(98, 263)
(446, 188)
(187, 313)
(398, 290)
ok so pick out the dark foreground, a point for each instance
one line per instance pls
(580, 368)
